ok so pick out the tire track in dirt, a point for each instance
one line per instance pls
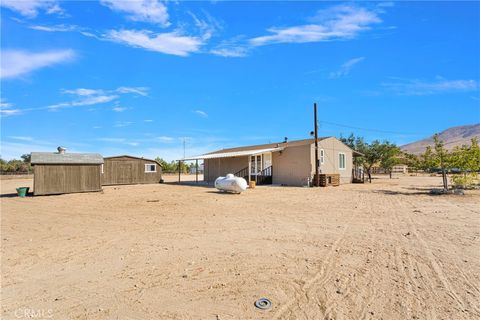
(435, 266)
(359, 290)
(324, 273)
(418, 287)
(439, 272)
(373, 281)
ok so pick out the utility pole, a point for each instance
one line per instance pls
(317, 176)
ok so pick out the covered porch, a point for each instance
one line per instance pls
(252, 165)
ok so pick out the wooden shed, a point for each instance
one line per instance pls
(130, 170)
(61, 172)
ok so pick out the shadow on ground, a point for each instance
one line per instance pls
(13, 195)
(190, 184)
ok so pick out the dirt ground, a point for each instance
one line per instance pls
(385, 250)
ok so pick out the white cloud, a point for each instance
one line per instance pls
(141, 10)
(207, 26)
(21, 138)
(10, 112)
(148, 120)
(88, 101)
(17, 63)
(420, 87)
(83, 92)
(142, 91)
(31, 8)
(170, 43)
(234, 51)
(55, 28)
(345, 68)
(83, 97)
(6, 109)
(165, 139)
(201, 113)
(120, 141)
(5, 105)
(119, 109)
(336, 23)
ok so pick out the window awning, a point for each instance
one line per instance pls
(232, 154)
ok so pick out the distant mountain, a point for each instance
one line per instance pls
(451, 137)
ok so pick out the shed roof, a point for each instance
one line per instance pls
(248, 152)
(65, 158)
(133, 157)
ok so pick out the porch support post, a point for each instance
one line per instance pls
(179, 164)
(249, 169)
(196, 171)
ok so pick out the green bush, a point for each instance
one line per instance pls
(466, 180)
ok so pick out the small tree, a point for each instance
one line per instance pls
(389, 156)
(26, 157)
(165, 165)
(467, 159)
(412, 161)
(442, 156)
(428, 159)
(372, 156)
(383, 153)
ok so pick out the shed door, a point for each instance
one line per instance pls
(125, 173)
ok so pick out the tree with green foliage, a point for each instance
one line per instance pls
(15, 165)
(26, 157)
(428, 160)
(467, 159)
(376, 152)
(165, 165)
(372, 156)
(412, 161)
(389, 156)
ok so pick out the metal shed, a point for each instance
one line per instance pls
(130, 170)
(61, 172)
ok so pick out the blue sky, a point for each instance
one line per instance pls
(139, 77)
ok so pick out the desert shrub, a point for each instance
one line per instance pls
(467, 180)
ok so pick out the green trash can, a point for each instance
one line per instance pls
(22, 191)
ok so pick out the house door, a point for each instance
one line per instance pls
(255, 164)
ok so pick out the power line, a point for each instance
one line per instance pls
(364, 129)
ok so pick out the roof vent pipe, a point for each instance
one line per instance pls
(61, 150)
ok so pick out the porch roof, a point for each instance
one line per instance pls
(234, 153)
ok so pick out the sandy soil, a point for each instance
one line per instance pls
(382, 251)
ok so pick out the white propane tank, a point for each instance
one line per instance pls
(230, 183)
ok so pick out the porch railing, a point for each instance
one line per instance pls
(265, 176)
(243, 173)
(358, 175)
(262, 177)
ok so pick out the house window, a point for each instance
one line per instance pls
(341, 161)
(101, 168)
(322, 156)
(150, 168)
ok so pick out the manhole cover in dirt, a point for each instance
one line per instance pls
(263, 304)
